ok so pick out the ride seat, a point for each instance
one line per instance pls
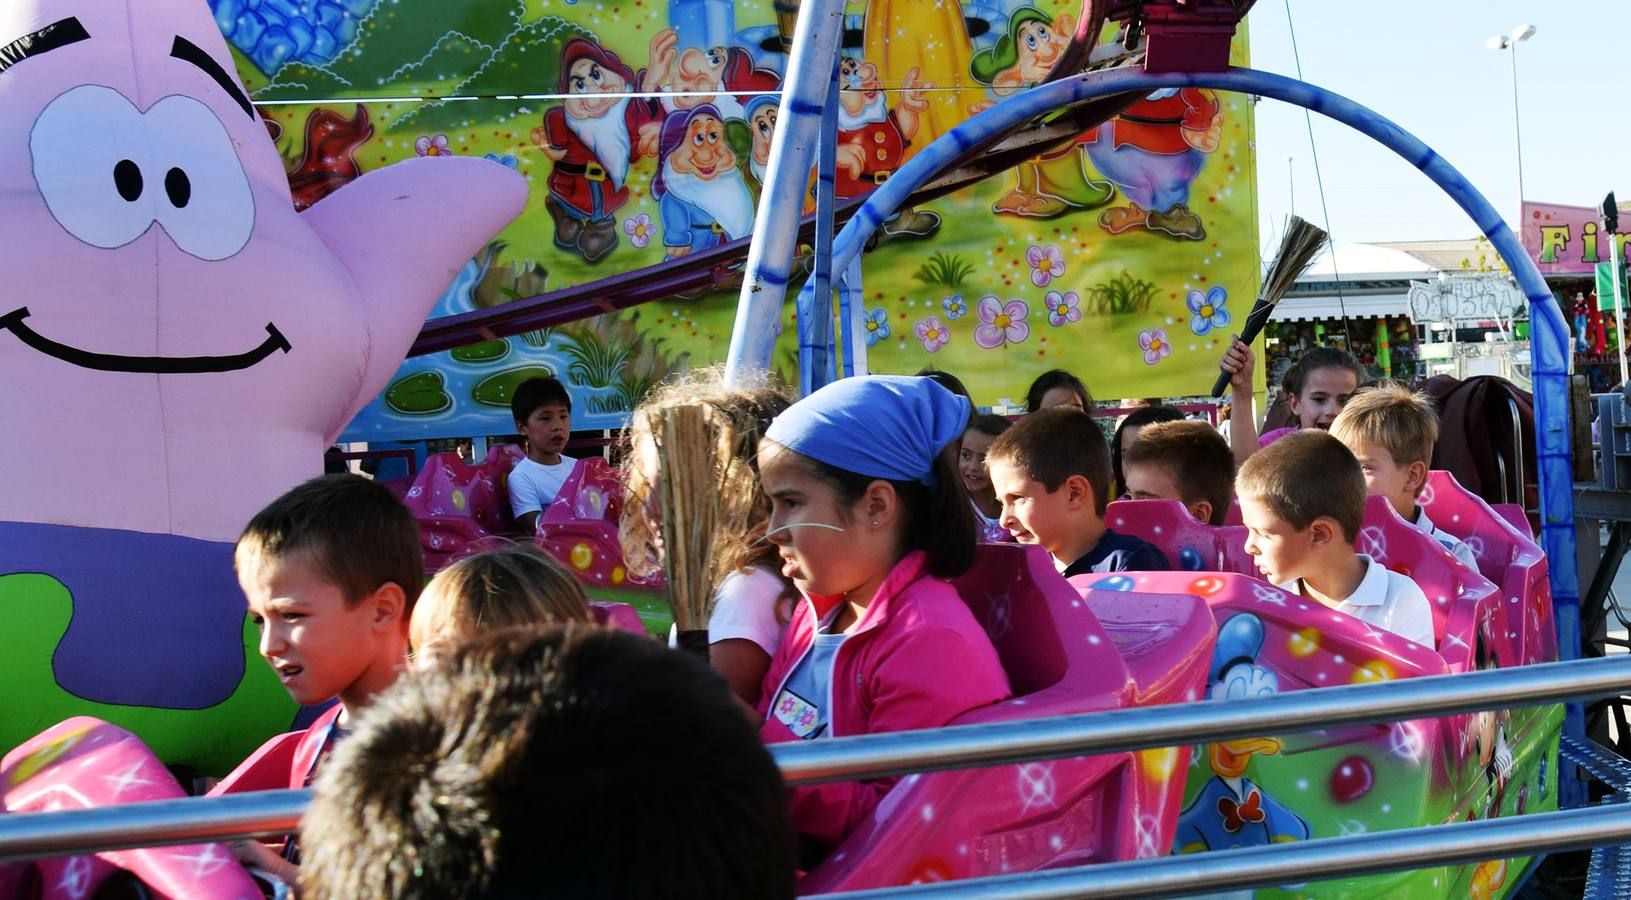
(1190, 546)
(580, 528)
(1060, 659)
(1507, 555)
(83, 763)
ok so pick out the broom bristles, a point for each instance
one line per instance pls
(692, 448)
(1298, 247)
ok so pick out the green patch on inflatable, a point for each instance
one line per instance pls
(37, 608)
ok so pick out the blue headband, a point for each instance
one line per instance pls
(880, 426)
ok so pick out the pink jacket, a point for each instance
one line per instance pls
(916, 659)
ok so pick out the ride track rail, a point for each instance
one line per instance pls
(717, 267)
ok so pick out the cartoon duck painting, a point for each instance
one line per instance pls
(1231, 810)
(180, 346)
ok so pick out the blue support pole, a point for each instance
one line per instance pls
(815, 306)
(810, 64)
(1550, 338)
(851, 313)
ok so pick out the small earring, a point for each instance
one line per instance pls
(874, 523)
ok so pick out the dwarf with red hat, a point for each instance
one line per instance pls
(722, 76)
(872, 139)
(592, 138)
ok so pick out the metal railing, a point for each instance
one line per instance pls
(1283, 864)
(191, 820)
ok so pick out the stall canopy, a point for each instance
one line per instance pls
(1357, 281)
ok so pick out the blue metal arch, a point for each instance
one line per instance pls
(1550, 336)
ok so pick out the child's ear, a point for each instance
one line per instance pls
(880, 504)
(1202, 511)
(1416, 477)
(1078, 492)
(1324, 533)
(389, 605)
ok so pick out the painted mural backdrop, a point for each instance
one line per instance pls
(1126, 256)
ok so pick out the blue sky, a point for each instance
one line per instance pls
(1424, 65)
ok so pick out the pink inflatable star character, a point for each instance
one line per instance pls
(177, 344)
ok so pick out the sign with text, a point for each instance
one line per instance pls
(1465, 298)
(1564, 240)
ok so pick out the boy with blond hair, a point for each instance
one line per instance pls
(1186, 461)
(1302, 500)
(331, 571)
(1392, 430)
(1051, 472)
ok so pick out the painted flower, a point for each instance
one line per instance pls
(1001, 323)
(1063, 308)
(932, 334)
(432, 146)
(877, 325)
(1046, 264)
(639, 229)
(1207, 309)
(955, 307)
(1155, 345)
(507, 160)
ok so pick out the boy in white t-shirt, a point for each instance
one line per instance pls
(543, 416)
(1302, 500)
(1392, 432)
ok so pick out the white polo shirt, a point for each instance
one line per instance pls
(1447, 540)
(1387, 600)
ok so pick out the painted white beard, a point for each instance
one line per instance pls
(725, 197)
(758, 169)
(608, 138)
(875, 111)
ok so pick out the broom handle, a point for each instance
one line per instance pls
(1258, 318)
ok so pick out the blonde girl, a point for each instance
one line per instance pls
(752, 602)
(518, 584)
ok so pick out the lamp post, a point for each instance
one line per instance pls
(1510, 42)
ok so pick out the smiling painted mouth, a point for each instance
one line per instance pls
(159, 365)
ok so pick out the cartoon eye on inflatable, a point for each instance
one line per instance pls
(108, 171)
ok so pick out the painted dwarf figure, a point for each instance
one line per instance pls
(592, 138)
(1153, 151)
(703, 200)
(872, 139)
(761, 112)
(1054, 183)
(723, 76)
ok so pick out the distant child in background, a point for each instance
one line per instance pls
(515, 585)
(331, 571)
(1316, 387)
(870, 518)
(1185, 461)
(1127, 434)
(971, 462)
(533, 762)
(1392, 432)
(1302, 500)
(543, 415)
(1056, 387)
(1051, 471)
(752, 601)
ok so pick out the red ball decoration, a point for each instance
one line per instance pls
(1351, 779)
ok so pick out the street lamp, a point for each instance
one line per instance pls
(1510, 42)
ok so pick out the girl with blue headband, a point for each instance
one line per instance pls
(870, 518)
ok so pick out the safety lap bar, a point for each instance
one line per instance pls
(198, 819)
